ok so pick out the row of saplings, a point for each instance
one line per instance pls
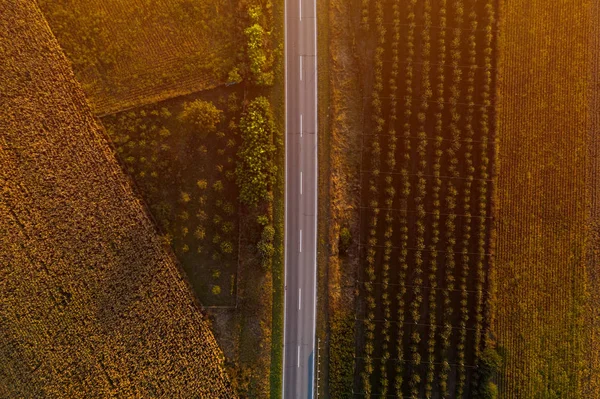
(482, 387)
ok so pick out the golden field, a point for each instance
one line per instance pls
(91, 302)
(128, 53)
(543, 321)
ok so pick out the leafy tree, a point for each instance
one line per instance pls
(234, 76)
(263, 220)
(202, 115)
(258, 50)
(265, 246)
(256, 170)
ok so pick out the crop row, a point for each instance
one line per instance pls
(468, 162)
(437, 183)
(419, 198)
(390, 193)
(486, 101)
(374, 202)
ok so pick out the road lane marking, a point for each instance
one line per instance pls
(300, 7)
(300, 298)
(300, 240)
(300, 183)
(300, 125)
(301, 68)
(298, 355)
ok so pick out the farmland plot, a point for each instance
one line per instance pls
(549, 147)
(129, 53)
(426, 198)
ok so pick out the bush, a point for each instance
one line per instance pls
(265, 246)
(216, 290)
(263, 220)
(268, 233)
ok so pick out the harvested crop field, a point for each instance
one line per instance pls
(545, 325)
(128, 53)
(91, 302)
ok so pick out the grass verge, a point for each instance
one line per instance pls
(278, 103)
(324, 168)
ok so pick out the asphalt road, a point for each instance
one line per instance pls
(301, 199)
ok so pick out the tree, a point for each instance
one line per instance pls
(234, 76)
(258, 49)
(256, 170)
(202, 115)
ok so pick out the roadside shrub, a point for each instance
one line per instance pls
(265, 246)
